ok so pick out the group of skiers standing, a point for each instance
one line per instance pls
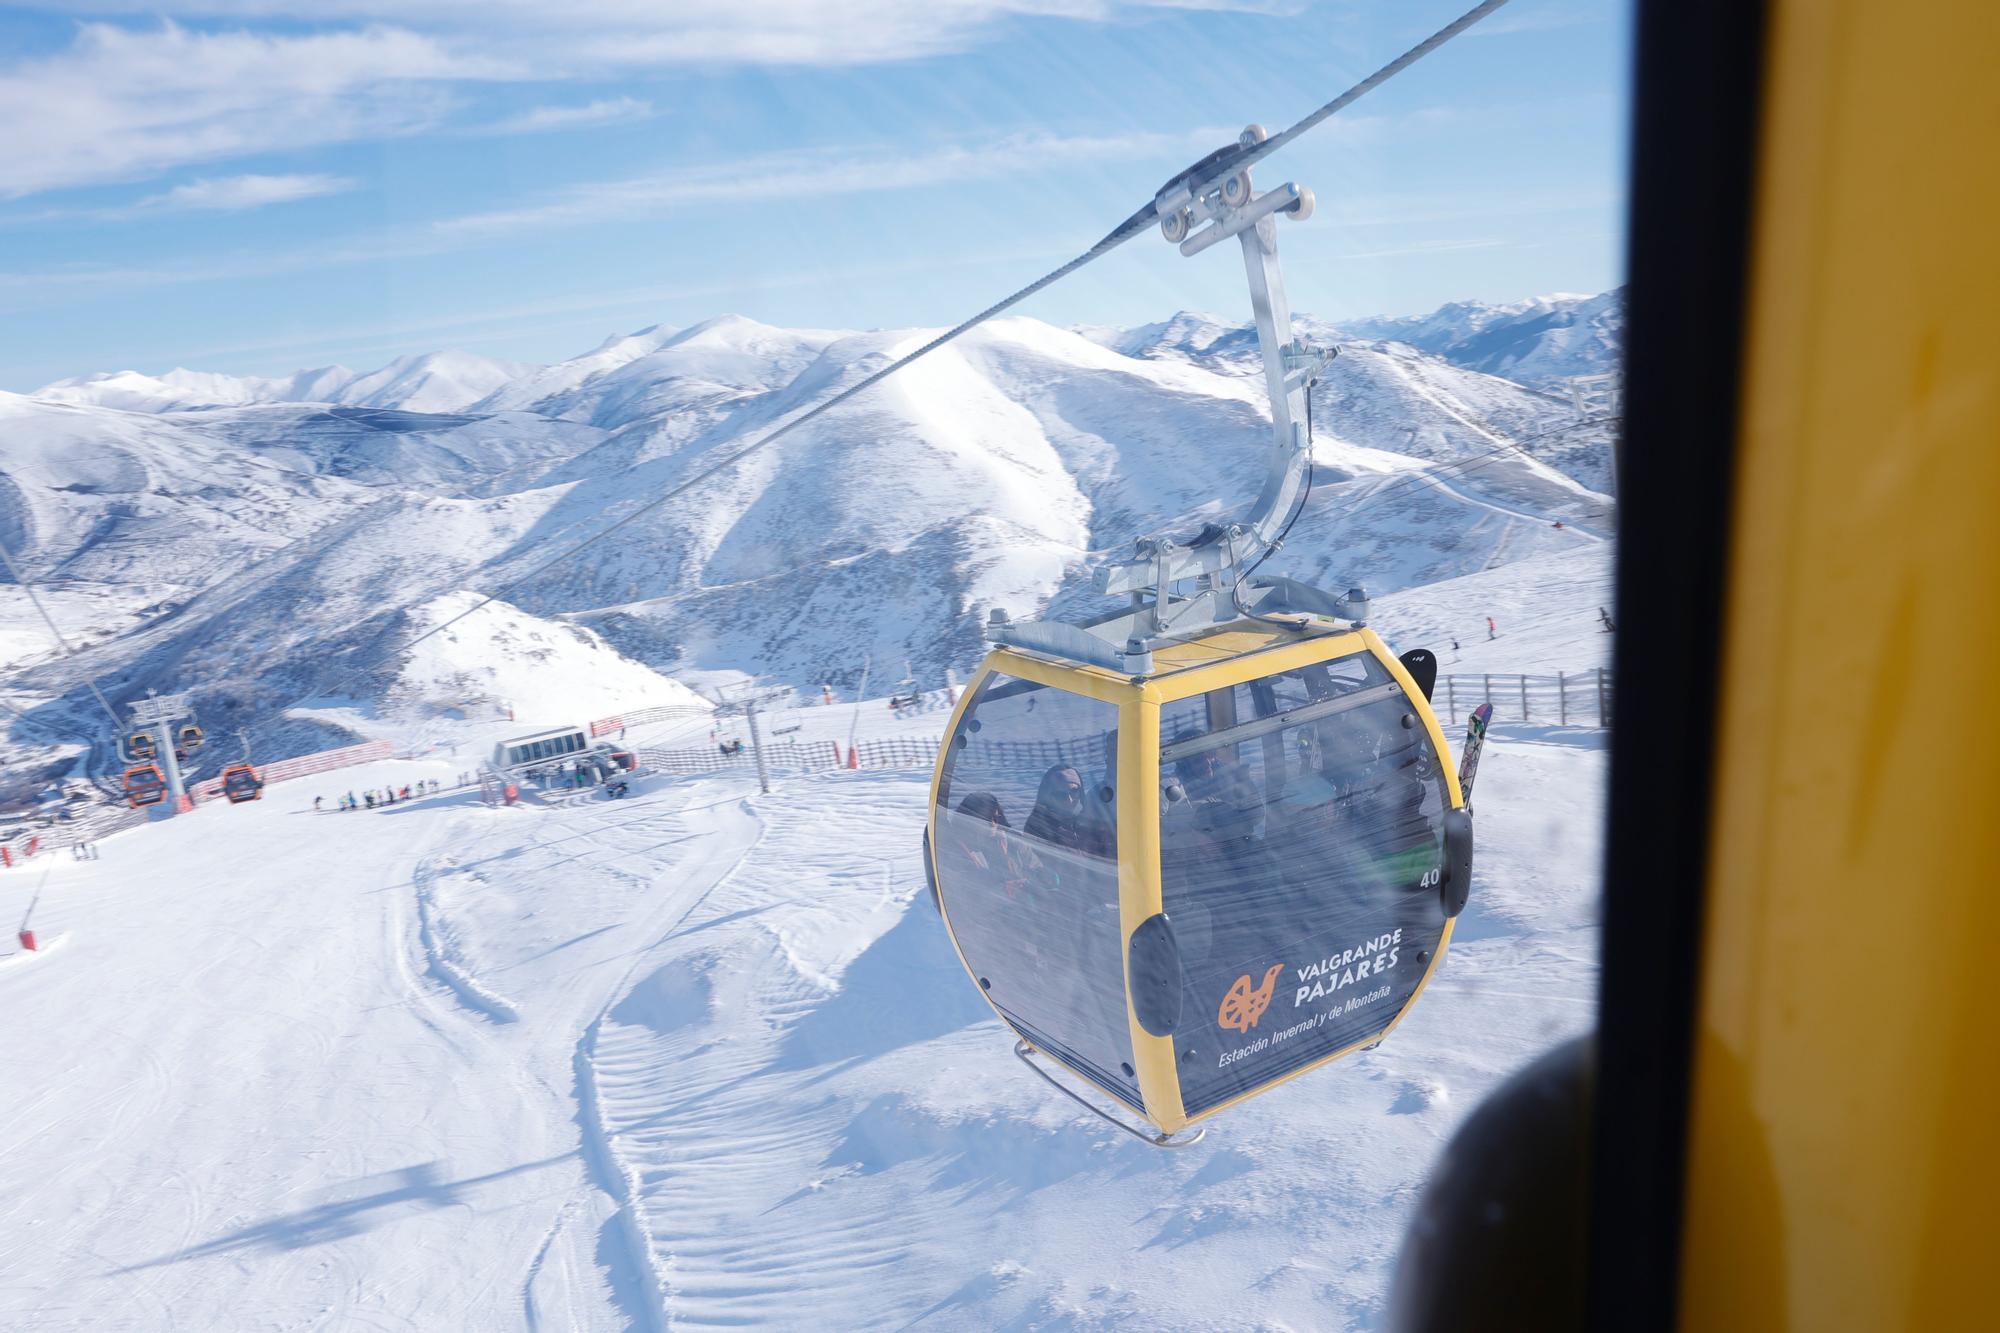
(368, 800)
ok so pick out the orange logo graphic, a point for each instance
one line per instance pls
(1242, 1007)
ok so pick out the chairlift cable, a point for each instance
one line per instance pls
(27, 586)
(1256, 153)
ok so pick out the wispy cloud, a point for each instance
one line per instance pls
(232, 194)
(127, 104)
(220, 194)
(818, 175)
(542, 119)
(674, 33)
(788, 175)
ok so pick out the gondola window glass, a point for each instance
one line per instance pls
(1027, 857)
(1301, 839)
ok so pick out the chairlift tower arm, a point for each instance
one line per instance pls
(1209, 203)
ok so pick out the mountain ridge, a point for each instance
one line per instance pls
(1538, 340)
(251, 551)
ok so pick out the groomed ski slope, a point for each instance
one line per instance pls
(698, 1058)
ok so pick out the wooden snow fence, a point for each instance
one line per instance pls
(301, 766)
(1567, 698)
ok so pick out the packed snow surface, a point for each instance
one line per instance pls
(701, 1057)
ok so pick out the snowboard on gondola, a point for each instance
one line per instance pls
(1475, 741)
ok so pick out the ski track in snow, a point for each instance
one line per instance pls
(732, 835)
(440, 951)
(1439, 482)
(698, 1136)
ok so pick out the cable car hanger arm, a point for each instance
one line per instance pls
(1220, 556)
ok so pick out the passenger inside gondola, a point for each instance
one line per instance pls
(980, 845)
(1033, 902)
(1061, 815)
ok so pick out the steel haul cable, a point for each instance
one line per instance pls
(28, 587)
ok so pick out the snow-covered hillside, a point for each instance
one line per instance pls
(256, 550)
(551, 673)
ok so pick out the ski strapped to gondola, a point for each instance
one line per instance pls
(1475, 741)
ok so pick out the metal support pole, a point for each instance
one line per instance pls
(163, 736)
(1488, 676)
(757, 747)
(860, 694)
(1272, 313)
(1524, 697)
(1451, 697)
(1562, 697)
(1600, 696)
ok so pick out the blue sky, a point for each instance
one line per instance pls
(215, 184)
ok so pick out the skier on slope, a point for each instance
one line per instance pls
(1605, 617)
(1492, 630)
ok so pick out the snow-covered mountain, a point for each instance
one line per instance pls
(434, 382)
(536, 668)
(256, 549)
(1539, 342)
(131, 391)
